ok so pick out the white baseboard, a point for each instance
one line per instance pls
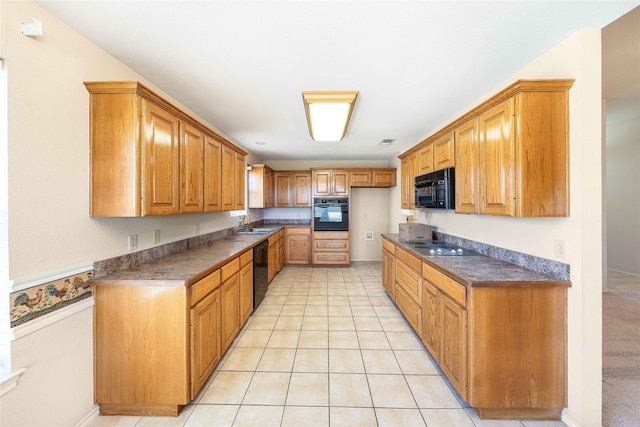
(569, 420)
(90, 417)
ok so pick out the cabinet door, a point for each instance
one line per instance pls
(230, 320)
(238, 174)
(425, 159)
(466, 137)
(246, 292)
(302, 189)
(269, 188)
(191, 169)
(273, 261)
(160, 162)
(205, 339)
(389, 273)
(411, 310)
(361, 179)
(431, 319)
(283, 185)
(340, 183)
(281, 251)
(212, 174)
(298, 249)
(443, 152)
(408, 174)
(322, 183)
(384, 178)
(496, 160)
(228, 178)
(453, 349)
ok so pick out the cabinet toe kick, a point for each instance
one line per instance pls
(519, 413)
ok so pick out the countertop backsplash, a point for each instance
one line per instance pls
(552, 268)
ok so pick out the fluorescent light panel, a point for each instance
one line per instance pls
(328, 113)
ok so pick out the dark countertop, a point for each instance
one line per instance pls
(480, 270)
(188, 266)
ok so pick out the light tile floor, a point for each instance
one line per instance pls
(327, 347)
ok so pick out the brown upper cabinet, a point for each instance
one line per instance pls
(292, 189)
(284, 189)
(378, 177)
(337, 182)
(408, 174)
(261, 186)
(160, 164)
(511, 153)
(522, 149)
(330, 182)
(192, 169)
(149, 158)
(436, 154)
(467, 167)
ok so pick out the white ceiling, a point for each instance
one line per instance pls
(242, 65)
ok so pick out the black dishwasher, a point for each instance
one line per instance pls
(260, 272)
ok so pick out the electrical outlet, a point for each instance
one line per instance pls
(561, 249)
(132, 242)
(368, 235)
(156, 237)
(196, 229)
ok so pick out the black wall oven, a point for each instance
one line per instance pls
(331, 214)
(436, 190)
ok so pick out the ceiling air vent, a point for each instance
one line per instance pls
(386, 141)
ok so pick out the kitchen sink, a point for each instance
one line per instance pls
(257, 231)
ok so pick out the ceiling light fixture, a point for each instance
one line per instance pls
(328, 113)
(386, 141)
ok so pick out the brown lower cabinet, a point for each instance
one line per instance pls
(276, 254)
(389, 268)
(157, 342)
(503, 347)
(298, 245)
(331, 248)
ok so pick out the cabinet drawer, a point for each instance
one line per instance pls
(414, 263)
(447, 285)
(331, 245)
(411, 310)
(335, 235)
(299, 231)
(389, 246)
(229, 269)
(203, 286)
(246, 258)
(331, 258)
(408, 275)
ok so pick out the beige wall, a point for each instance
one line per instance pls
(368, 212)
(578, 57)
(623, 196)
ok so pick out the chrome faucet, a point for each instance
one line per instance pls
(243, 223)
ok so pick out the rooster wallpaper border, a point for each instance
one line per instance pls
(37, 301)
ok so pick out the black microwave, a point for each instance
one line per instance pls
(436, 190)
